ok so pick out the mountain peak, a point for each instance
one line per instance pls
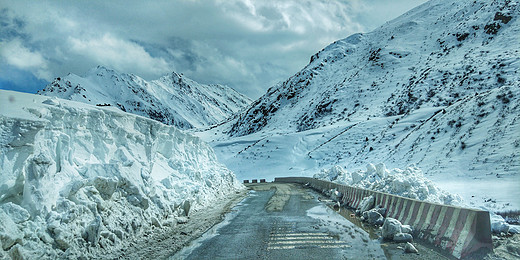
(173, 99)
(102, 70)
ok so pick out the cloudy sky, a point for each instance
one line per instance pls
(246, 44)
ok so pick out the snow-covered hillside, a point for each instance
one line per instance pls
(173, 99)
(77, 179)
(438, 87)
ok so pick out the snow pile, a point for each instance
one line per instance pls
(409, 182)
(500, 226)
(78, 180)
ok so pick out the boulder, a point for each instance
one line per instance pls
(393, 230)
(391, 227)
(374, 218)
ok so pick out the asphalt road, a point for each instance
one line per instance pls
(283, 221)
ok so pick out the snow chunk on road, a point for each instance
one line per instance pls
(75, 176)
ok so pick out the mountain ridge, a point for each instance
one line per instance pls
(388, 50)
(437, 87)
(172, 99)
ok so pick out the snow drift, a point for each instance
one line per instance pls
(76, 179)
(409, 183)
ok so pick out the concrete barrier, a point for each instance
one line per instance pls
(462, 232)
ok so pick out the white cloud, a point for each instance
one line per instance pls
(15, 54)
(119, 54)
(297, 16)
(247, 44)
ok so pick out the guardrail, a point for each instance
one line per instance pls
(462, 232)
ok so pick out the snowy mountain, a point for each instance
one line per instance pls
(433, 56)
(438, 87)
(173, 99)
(78, 180)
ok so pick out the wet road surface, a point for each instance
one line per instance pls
(284, 223)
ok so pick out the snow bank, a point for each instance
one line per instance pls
(409, 182)
(77, 179)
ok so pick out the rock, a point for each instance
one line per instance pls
(374, 218)
(62, 240)
(367, 203)
(17, 252)
(402, 237)
(499, 226)
(393, 230)
(409, 248)
(3, 254)
(370, 168)
(391, 226)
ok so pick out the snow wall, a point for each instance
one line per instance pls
(77, 180)
(459, 231)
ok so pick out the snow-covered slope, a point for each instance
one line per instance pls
(76, 179)
(432, 56)
(173, 99)
(438, 87)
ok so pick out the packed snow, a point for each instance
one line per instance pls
(409, 183)
(78, 180)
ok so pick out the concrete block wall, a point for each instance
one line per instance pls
(462, 232)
